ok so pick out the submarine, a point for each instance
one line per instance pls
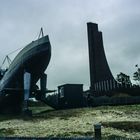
(19, 81)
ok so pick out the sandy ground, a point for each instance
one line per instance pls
(74, 122)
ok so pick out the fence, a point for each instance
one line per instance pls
(108, 87)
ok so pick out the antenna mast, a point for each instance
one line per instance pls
(41, 34)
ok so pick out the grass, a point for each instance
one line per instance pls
(5, 132)
(124, 125)
(123, 121)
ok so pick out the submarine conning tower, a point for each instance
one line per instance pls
(101, 78)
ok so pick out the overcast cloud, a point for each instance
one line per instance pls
(65, 23)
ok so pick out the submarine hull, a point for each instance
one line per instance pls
(34, 58)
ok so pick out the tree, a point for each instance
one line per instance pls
(123, 79)
(136, 76)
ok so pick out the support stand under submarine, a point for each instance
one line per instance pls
(38, 94)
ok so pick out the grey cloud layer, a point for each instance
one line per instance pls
(65, 22)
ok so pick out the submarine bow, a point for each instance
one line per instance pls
(33, 58)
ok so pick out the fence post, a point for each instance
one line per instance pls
(97, 131)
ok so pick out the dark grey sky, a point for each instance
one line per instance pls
(65, 22)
